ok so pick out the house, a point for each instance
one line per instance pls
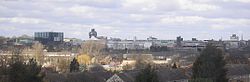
(126, 76)
(115, 78)
(164, 75)
(101, 76)
(238, 72)
(172, 75)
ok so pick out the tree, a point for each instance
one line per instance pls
(3, 65)
(2, 40)
(210, 65)
(38, 52)
(96, 68)
(84, 59)
(127, 67)
(33, 71)
(147, 74)
(17, 72)
(142, 61)
(94, 48)
(174, 66)
(21, 72)
(63, 65)
(74, 65)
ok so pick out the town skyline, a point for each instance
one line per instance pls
(124, 40)
(164, 19)
(241, 37)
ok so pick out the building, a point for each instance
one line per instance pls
(164, 75)
(151, 38)
(128, 44)
(238, 73)
(233, 43)
(179, 41)
(234, 37)
(49, 37)
(118, 44)
(22, 40)
(73, 41)
(92, 33)
(194, 39)
(194, 44)
(248, 43)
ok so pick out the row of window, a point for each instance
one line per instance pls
(48, 34)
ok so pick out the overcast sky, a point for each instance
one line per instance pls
(164, 19)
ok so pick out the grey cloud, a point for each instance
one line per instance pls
(127, 18)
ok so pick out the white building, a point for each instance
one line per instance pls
(233, 42)
(234, 37)
(138, 44)
(128, 44)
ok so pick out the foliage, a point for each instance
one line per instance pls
(142, 61)
(147, 74)
(63, 65)
(2, 40)
(93, 47)
(210, 64)
(96, 68)
(21, 72)
(84, 59)
(74, 65)
(127, 67)
(174, 66)
(38, 52)
(17, 70)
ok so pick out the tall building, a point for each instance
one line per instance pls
(151, 38)
(234, 37)
(92, 33)
(179, 41)
(49, 37)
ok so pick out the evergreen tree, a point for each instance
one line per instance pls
(147, 74)
(16, 69)
(21, 72)
(74, 65)
(174, 66)
(210, 65)
(17, 72)
(34, 71)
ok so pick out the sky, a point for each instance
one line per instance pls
(163, 19)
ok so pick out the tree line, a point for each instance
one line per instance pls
(18, 70)
(208, 67)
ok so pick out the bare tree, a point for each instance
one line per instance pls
(63, 65)
(84, 59)
(2, 40)
(16, 53)
(37, 48)
(143, 60)
(93, 48)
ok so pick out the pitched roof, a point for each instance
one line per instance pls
(238, 69)
(171, 74)
(114, 78)
(163, 75)
(128, 76)
(100, 76)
